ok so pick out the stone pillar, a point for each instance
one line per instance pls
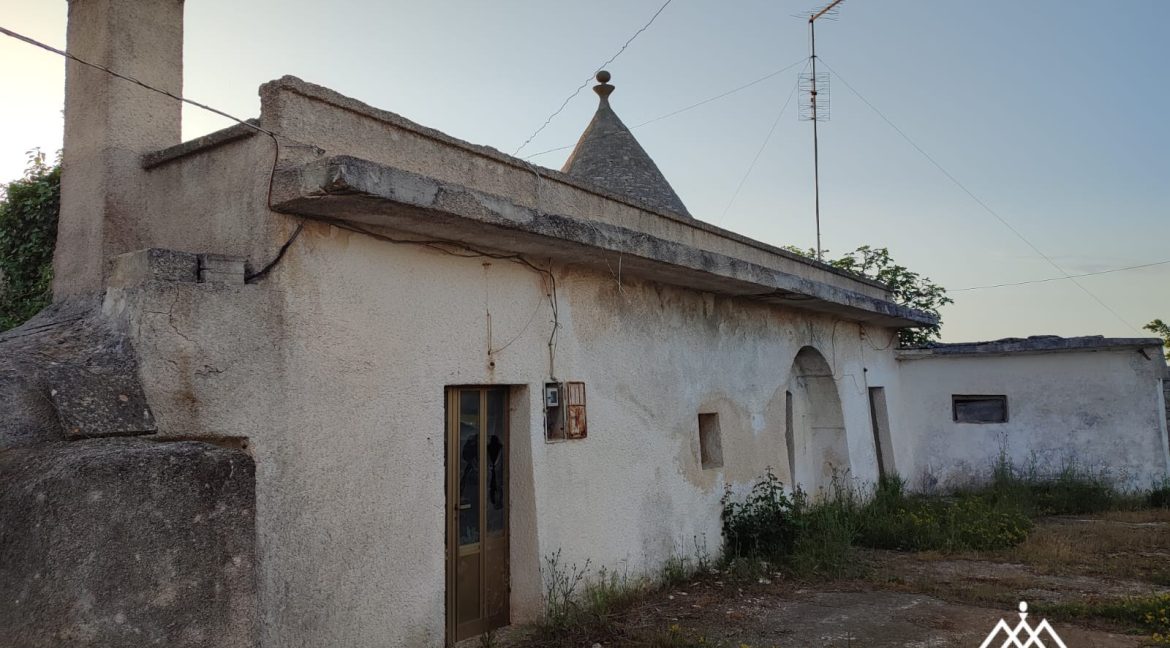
(109, 124)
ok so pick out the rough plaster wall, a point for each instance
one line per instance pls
(1099, 409)
(335, 369)
(1166, 398)
(109, 124)
(202, 344)
(233, 219)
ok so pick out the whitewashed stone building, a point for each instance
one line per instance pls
(445, 363)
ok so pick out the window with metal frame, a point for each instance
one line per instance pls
(970, 408)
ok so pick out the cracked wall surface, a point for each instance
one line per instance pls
(334, 368)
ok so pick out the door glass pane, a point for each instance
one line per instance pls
(468, 467)
(496, 460)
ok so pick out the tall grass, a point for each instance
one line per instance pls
(581, 604)
(1071, 489)
(806, 537)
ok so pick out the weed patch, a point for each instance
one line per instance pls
(1159, 497)
(789, 530)
(1073, 489)
(819, 538)
(895, 520)
(1147, 614)
(580, 605)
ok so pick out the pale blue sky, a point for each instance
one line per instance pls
(1053, 112)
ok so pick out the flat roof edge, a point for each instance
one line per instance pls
(200, 144)
(348, 189)
(321, 93)
(1031, 345)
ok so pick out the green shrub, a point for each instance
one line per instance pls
(789, 531)
(1159, 497)
(819, 538)
(28, 233)
(896, 520)
(763, 525)
(957, 524)
(827, 532)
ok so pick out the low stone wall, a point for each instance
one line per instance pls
(127, 542)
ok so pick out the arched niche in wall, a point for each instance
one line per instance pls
(815, 429)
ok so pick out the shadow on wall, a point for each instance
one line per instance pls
(815, 430)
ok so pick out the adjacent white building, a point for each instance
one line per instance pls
(1091, 403)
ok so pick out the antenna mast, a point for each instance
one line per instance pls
(815, 111)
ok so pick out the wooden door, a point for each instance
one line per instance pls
(477, 510)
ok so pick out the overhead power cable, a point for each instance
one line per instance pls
(690, 107)
(125, 77)
(453, 248)
(760, 152)
(1083, 274)
(590, 78)
(71, 57)
(979, 201)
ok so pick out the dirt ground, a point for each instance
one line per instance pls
(911, 599)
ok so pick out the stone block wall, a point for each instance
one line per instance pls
(127, 542)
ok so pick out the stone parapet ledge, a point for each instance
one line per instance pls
(365, 193)
(155, 264)
(1032, 345)
(320, 121)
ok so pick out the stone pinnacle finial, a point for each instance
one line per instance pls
(609, 156)
(603, 89)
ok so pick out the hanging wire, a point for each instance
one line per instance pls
(453, 248)
(125, 77)
(1076, 276)
(760, 152)
(979, 201)
(590, 78)
(71, 57)
(683, 110)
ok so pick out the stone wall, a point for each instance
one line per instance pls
(126, 542)
(109, 536)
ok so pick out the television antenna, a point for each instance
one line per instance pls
(816, 108)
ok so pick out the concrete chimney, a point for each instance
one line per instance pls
(109, 124)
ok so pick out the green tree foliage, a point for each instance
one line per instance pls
(908, 288)
(1162, 330)
(28, 232)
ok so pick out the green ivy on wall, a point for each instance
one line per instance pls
(28, 232)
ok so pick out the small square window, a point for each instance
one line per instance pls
(979, 409)
(710, 443)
